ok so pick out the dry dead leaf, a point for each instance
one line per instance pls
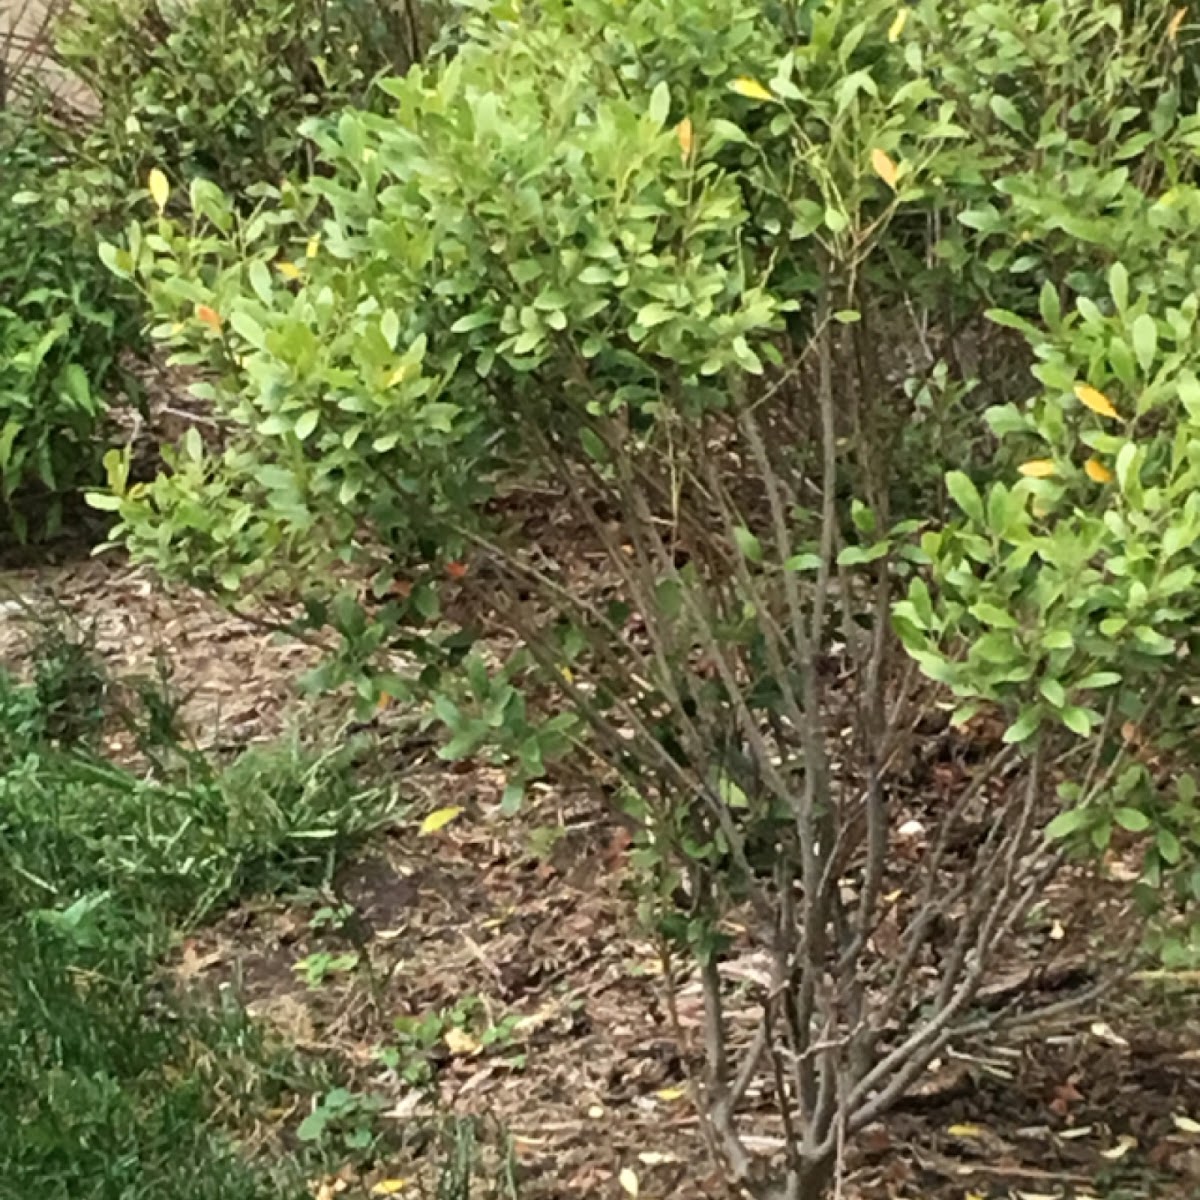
(1125, 1143)
(656, 1158)
(1105, 1032)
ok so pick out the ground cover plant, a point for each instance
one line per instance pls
(850, 349)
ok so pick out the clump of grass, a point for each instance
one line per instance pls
(113, 1087)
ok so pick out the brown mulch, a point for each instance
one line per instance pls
(589, 1081)
(237, 683)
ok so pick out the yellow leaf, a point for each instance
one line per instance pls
(1097, 471)
(289, 270)
(209, 316)
(1038, 468)
(751, 89)
(687, 137)
(629, 1181)
(159, 188)
(1176, 21)
(884, 167)
(897, 26)
(314, 244)
(1186, 1124)
(671, 1093)
(460, 1043)
(1098, 402)
(439, 819)
(389, 1187)
(966, 1131)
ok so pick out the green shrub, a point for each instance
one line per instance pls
(702, 297)
(221, 89)
(63, 324)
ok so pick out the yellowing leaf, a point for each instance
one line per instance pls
(1176, 21)
(687, 137)
(966, 1131)
(629, 1181)
(897, 26)
(159, 188)
(884, 167)
(460, 1043)
(671, 1093)
(439, 819)
(1098, 402)
(1097, 471)
(289, 270)
(389, 1187)
(751, 89)
(209, 316)
(314, 244)
(1186, 1124)
(1038, 468)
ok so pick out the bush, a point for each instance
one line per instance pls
(700, 297)
(220, 89)
(63, 323)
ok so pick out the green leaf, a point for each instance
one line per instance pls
(1132, 819)
(1098, 679)
(853, 556)
(593, 445)
(993, 615)
(1007, 112)
(475, 320)
(1145, 341)
(803, 562)
(1077, 720)
(389, 327)
(1169, 847)
(1025, 726)
(748, 544)
(660, 103)
(260, 280)
(1048, 305)
(965, 495)
(248, 328)
(102, 501)
(306, 423)
(1118, 286)
(1067, 823)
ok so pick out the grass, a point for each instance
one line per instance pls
(112, 1088)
